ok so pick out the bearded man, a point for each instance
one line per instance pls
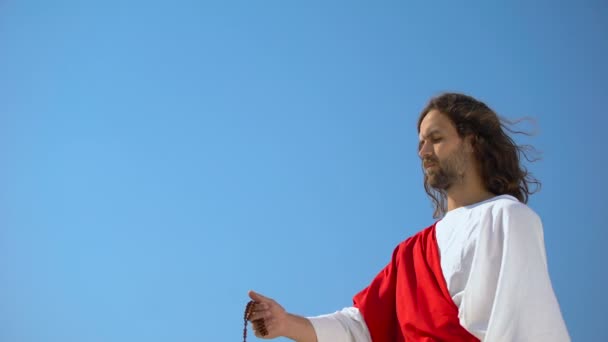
(479, 273)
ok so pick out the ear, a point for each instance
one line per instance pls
(469, 141)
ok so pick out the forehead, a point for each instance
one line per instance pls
(435, 121)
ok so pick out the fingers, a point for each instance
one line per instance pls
(260, 327)
(263, 328)
(265, 315)
(259, 311)
(260, 308)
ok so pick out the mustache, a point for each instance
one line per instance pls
(427, 161)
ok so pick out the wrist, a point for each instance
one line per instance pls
(299, 329)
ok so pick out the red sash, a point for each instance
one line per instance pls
(409, 300)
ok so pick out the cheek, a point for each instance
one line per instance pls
(440, 151)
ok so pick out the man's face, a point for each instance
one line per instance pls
(442, 151)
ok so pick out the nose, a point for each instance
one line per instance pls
(425, 150)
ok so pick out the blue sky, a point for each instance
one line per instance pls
(159, 159)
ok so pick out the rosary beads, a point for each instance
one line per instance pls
(258, 324)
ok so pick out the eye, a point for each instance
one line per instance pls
(436, 140)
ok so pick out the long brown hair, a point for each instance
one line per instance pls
(498, 156)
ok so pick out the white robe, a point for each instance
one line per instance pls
(494, 262)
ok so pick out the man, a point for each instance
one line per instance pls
(479, 273)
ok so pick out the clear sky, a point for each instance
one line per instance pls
(161, 158)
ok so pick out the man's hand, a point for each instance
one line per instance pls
(278, 322)
(273, 314)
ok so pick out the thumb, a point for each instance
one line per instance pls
(258, 297)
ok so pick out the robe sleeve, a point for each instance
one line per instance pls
(346, 325)
(509, 296)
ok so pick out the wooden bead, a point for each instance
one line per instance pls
(258, 324)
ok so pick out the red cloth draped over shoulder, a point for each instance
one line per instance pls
(409, 300)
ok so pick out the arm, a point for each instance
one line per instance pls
(346, 325)
(342, 326)
(279, 322)
(509, 296)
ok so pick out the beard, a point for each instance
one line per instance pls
(446, 172)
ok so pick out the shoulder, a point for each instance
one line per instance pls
(512, 216)
(508, 207)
